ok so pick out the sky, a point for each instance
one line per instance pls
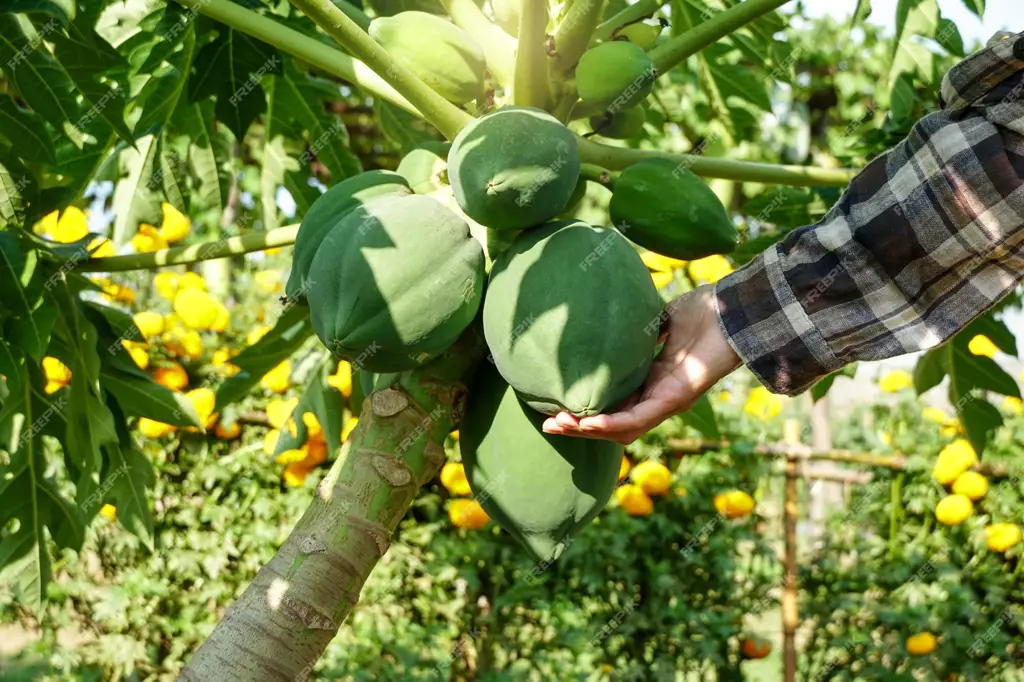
(1000, 15)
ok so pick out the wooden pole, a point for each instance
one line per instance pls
(790, 517)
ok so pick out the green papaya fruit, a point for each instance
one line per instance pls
(389, 8)
(514, 168)
(641, 34)
(395, 283)
(571, 317)
(325, 213)
(574, 200)
(615, 75)
(506, 14)
(664, 207)
(620, 125)
(542, 489)
(425, 167)
(443, 55)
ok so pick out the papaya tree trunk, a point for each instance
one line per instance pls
(280, 626)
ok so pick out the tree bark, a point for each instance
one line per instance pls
(280, 626)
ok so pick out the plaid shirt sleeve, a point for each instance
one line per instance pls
(926, 238)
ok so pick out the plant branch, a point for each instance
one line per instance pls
(531, 83)
(499, 47)
(675, 50)
(601, 176)
(617, 158)
(635, 12)
(573, 34)
(321, 56)
(183, 255)
(434, 108)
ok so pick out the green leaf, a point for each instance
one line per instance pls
(904, 97)
(195, 119)
(293, 328)
(26, 132)
(168, 175)
(702, 417)
(12, 365)
(821, 389)
(401, 127)
(995, 330)
(18, 190)
(949, 37)
(979, 372)
(230, 68)
(324, 402)
(62, 9)
(930, 370)
(32, 332)
(143, 397)
(127, 477)
(980, 418)
(133, 202)
(861, 12)
(20, 278)
(735, 80)
(784, 206)
(162, 93)
(38, 77)
(913, 17)
(976, 6)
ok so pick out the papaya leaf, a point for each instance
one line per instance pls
(292, 330)
(18, 190)
(702, 417)
(913, 17)
(133, 201)
(735, 80)
(168, 174)
(401, 127)
(160, 96)
(26, 131)
(195, 120)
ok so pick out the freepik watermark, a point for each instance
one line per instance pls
(253, 81)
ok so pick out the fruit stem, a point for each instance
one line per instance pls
(573, 34)
(531, 82)
(675, 50)
(183, 255)
(323, 57)
(632, 14)
(434, 108)
(499, 47)
(617, 158)
(601, 176)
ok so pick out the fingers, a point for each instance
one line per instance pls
(623, 427)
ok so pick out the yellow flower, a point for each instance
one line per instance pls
(342, 378)
(255, 334)
(633, 500)
(1002, 536)
(166, 284)
(277, 379)
(653, 477)
(101, 247)
(47, 224)
(109, 511)
(624, 467)
(228, 431)
(953, 460)
(1013, 405)
(270, 441)
(971, 484)
(455, 435)
(138, 352)
(896, 381)
(147, 240)
(183, 342)
(952, 510)
(467, 514)
(350, 425)
(661, 279)
(659, 263)
(763, 404)
(172, 376)
(733, 504)
(220, 361)
(921, 644)
(315, 451)
(56, 371)
(295, 474)
(175, 226)
(278, 411)
(72, 226)
(116, 292)
(204, 400)
(268, 281)
(934, 414)
(313, 429)
(710, 269)
(198, 309)
(885, 437)
(453, 477)
(150, 324)
(223, 319)
(725, 397)
(154, 429)
(982, 345)
(191, 280)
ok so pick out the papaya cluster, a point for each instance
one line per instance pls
(394, 269)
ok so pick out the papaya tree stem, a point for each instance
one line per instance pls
(676, 50)
(633, 13)
(531, 84)
(601, 176)
(434, 108)
(322, 57)
(183, 255)
(573, 34)
(617, 158)
(292, 609)
(499, 47)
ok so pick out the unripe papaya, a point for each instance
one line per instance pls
(326, 211)
(574, 200)
(425, 167)
(506, 14)
(620, 125)
(664, 207)
(540, 488)
(389, 8)
(514, 168)
(571, 317)
(615, 75)
(443, 55)
(641, 34)
(396, 283)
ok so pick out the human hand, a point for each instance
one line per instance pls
(696, 355)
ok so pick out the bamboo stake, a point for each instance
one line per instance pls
(790, 516)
